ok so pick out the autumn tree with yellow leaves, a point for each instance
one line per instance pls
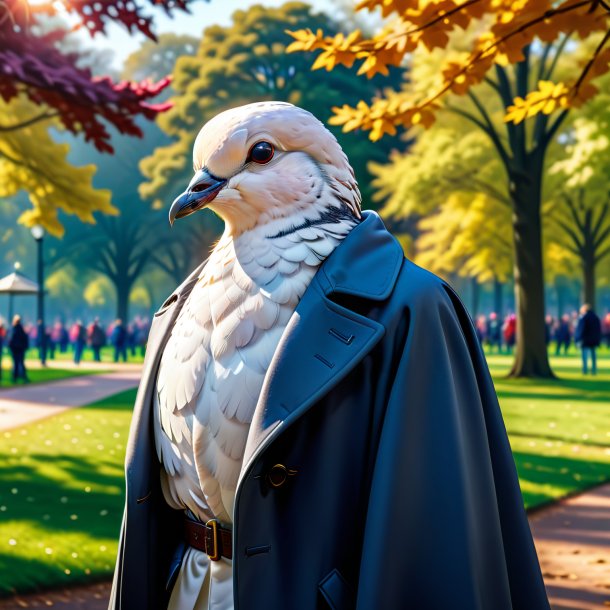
(513, 47)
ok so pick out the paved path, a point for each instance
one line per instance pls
(85, 365)
(92, 597)
(573, 543)
(24, 404)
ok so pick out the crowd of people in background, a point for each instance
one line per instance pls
(125, 340)
(582, 328)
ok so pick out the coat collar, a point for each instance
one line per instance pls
(325, 340)
(365, 264)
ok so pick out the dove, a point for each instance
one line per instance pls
(288, 196)
(316, 427)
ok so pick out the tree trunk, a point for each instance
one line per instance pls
(498, 298)
(531, 357)
(475, 294)
(588, 280)
(123, 289)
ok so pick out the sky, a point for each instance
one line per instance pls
(202, 15)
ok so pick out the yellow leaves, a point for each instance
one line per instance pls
(378, 61)
(31, 161)
(505, 28)
(387, 6)
(546, 99)
(336, 50)
(384, 115)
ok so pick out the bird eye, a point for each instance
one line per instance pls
(261, 152)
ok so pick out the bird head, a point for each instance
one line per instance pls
(267, 162)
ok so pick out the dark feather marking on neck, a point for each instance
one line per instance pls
(329, 216)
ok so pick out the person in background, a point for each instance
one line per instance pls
(606, 328)
(119, 341)
(143, 327)
(481, 328)
(549, 329)
(2, 340)
(51, 344)
(78, 336)
(63, 337)
(589, 335)
(18, 344)
(563, 335)
(510, 331)
(494, 332)
(131, 338)
(96, 338)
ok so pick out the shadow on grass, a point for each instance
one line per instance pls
(586, 390)
(45, 576)
(123, 401)
(84, 491)
(546, 478)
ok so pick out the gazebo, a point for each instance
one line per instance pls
(16, 283)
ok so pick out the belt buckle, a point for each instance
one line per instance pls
(213, 525)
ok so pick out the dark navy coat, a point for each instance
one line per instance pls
(405, 495)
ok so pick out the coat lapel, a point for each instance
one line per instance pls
(140, 445)
(324, 341)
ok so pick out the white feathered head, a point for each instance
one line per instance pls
(268, 162)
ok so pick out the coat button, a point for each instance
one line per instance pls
(278, 475)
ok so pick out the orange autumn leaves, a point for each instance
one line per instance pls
(506, 27)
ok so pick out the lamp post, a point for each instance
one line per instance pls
(38, 235)
(16, 267)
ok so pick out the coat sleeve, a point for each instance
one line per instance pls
(445, 526)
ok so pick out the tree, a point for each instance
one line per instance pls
(155, 59)
(46, 84)
(503, 32)
(452, 181)
(581, 214)
(481, 60)
(122, 247)
(33, 64)
(246, 62)
(30, 160)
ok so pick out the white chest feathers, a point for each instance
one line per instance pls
(214, 363)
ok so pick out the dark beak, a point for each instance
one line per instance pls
(202, 189)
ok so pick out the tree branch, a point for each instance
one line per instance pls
(601, 238)
(549, 73)
(542, 60)
(600, 219)
(548, 136)
(601, 255)
(507, 97)
(569, 231)
(492, 134)
(36, 119)
(574, 212)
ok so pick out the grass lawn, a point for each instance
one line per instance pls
(559, 430)
(61, 496)
(39, 375)
(107, 355)
(61, 480)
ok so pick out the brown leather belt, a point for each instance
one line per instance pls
(211, 538)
